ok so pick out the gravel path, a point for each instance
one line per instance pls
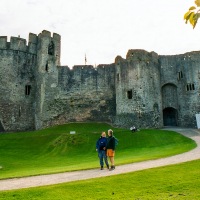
(34, 181)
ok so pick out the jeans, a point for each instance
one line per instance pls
(102, 156)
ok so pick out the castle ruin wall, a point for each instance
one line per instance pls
(86, 94)
(16, 74)
(144, 89)
(138, 100)
(181, 74)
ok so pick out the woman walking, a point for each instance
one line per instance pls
(101, 149)
(111, 148)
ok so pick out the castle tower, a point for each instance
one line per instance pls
(17, 63)
(138, 93)
(48, 60)
(180, 76)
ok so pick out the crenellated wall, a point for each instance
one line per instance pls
(17, 72)
(19, 44)
(144, 89)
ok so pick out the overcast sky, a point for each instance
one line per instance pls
(103, 29)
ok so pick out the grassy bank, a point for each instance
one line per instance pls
(180, 182)
(56, 150)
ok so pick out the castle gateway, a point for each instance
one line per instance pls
(145, 89)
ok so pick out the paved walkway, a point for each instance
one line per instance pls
(34, 181)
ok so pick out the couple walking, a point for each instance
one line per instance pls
(105, 146)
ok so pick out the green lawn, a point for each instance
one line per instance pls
(55, 150)
(176, 182)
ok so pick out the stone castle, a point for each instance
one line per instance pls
(145, 89)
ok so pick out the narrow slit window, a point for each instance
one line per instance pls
(27, 90)
(46, 67)
(188, 87)
(193, 88)
(20, 109)
(118, 77)
(180, 75)
(129, 94)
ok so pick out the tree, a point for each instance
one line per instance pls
(193, 14)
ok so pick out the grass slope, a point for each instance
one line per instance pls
(180, 182)
(55, 150)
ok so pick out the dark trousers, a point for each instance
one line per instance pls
(102, 158)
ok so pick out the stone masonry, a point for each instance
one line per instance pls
(145, 89)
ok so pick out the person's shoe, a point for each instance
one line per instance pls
(112, 168)
(101, 167)
(107, 166)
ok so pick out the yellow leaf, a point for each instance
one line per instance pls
(188, 17)
(191, 19)
(186, 14)
(192, 8)
(197, 2)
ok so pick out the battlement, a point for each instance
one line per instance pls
(3, 42)
(56, 37)
(18, 44)
(32, 43)
(33, 38)
(82, 67)
(90, 67)
(46, 33)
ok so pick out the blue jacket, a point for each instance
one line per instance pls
(101, 143)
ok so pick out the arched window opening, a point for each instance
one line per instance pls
(51, 48)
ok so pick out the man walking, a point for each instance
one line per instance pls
(111, 148)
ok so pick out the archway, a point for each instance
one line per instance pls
(1, 127)
(170, 116)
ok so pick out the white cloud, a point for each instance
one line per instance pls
(103, 29)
